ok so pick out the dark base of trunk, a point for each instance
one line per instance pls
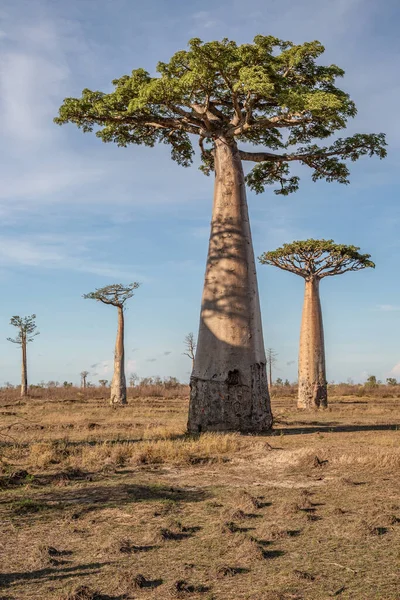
(312, 395)
(230, 405)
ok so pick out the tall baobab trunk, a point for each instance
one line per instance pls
(312, 375)
(118, 384)
(229, 389)
(24, 370)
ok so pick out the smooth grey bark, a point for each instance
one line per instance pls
(229, 388)
(118, 384)
(312, 374)
(24, 369)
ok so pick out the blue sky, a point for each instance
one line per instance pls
(76, 214)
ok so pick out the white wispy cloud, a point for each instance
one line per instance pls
(44, 59)
(388, 307)
(35, 161)
(25, 109)
(68, 252)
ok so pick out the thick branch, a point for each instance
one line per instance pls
(262, 156)
(142, 121)
(112, 302)
(187, 117)
(272, 123)
(271, 157)
(352, 148)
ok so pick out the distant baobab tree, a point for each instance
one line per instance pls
(52, 384)
(313, 260)
(271, 358)
(103, 382)
(133, 378)
(272, 94)
(116, 295)
(26, 333)
(190, 346)
(84, 375)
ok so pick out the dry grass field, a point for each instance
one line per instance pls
(97, 503)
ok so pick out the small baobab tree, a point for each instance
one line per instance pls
(103, 382)
(271, 358)
(372, 381)
(313, 260)
(116, 295)
(190, 347)
(272, 94)
(133, 378)
(26, 333)
(84, 375)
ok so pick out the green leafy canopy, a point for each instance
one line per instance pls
(271, 93)
(317, 258)
(26, 329)
(115, 294)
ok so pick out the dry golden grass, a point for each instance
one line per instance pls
(97, 503)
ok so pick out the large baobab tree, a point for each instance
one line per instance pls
(26, 333)
(116, 295)
(190, 347)
(313, 260)
(272, 94)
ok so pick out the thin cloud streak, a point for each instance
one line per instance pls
(388, 307)
(71, 253)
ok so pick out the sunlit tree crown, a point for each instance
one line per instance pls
(26, 329)
(116, 294)
(317, 258)
(271, 93)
